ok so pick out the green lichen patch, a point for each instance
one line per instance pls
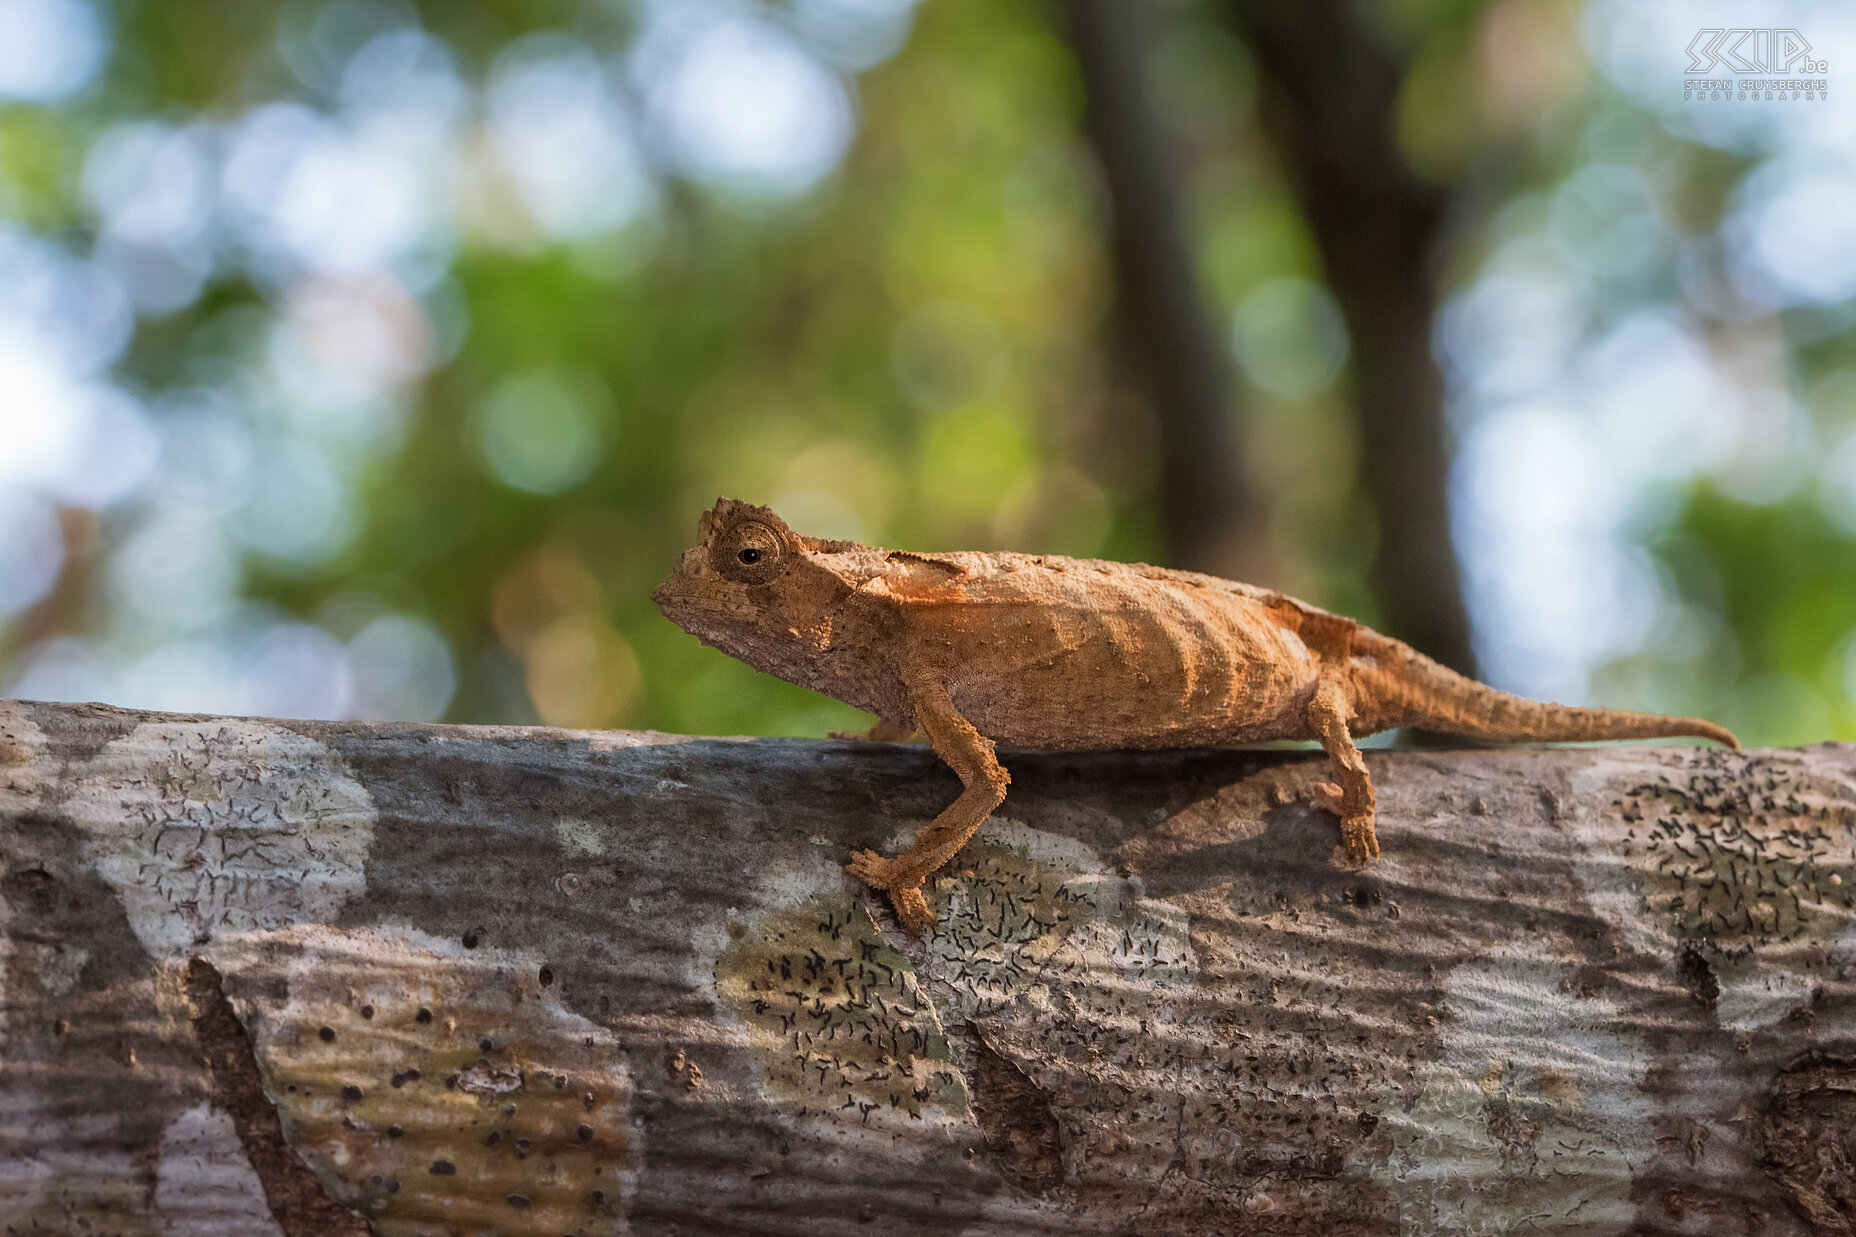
(838, 1020)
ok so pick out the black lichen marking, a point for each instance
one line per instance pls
(224, 839)
(1807, 1139)
(1281, 1092)
(1075, 981)
(1741, 853)
(1509, 1113)
(845, 1030)
(295, 1197)
(1186, 1102)
(1001, 915)
(1021, 1131)
(1009, 922)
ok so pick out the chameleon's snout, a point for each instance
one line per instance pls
(670, 596)
(688, 594)
(675, 587)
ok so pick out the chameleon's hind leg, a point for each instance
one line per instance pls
(970, 754)
(1350, 796)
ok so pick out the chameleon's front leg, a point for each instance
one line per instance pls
(1352, 799)
(970, 754)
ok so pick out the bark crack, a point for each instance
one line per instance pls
(293, 1192)
(1015, 1117)
(1698, 976)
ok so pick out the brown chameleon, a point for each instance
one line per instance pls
(1041, 651)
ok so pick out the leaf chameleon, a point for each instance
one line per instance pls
(1041, 651)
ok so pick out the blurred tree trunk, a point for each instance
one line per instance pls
(1331, 85)
(1211, 518)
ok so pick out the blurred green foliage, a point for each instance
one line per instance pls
(912, 353)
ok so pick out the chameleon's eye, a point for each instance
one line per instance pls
(752, 552)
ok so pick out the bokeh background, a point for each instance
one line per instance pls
(373, 359)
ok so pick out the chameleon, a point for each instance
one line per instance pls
(977, 649)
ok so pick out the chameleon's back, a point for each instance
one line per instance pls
(1045, 651)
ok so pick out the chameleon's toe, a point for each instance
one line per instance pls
(912, 910)
(1361, 841)
(870, 868)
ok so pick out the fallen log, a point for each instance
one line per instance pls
(301, 977)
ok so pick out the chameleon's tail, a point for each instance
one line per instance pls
(1412, 690)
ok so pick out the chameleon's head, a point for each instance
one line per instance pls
(749, 584)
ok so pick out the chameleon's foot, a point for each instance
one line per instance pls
(1356, 832)
(1356, 829)
(880, 873)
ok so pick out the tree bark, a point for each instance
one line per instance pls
(298, 977)
(1331, 101)
(1211, 517)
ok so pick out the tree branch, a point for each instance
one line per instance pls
(523, 980)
